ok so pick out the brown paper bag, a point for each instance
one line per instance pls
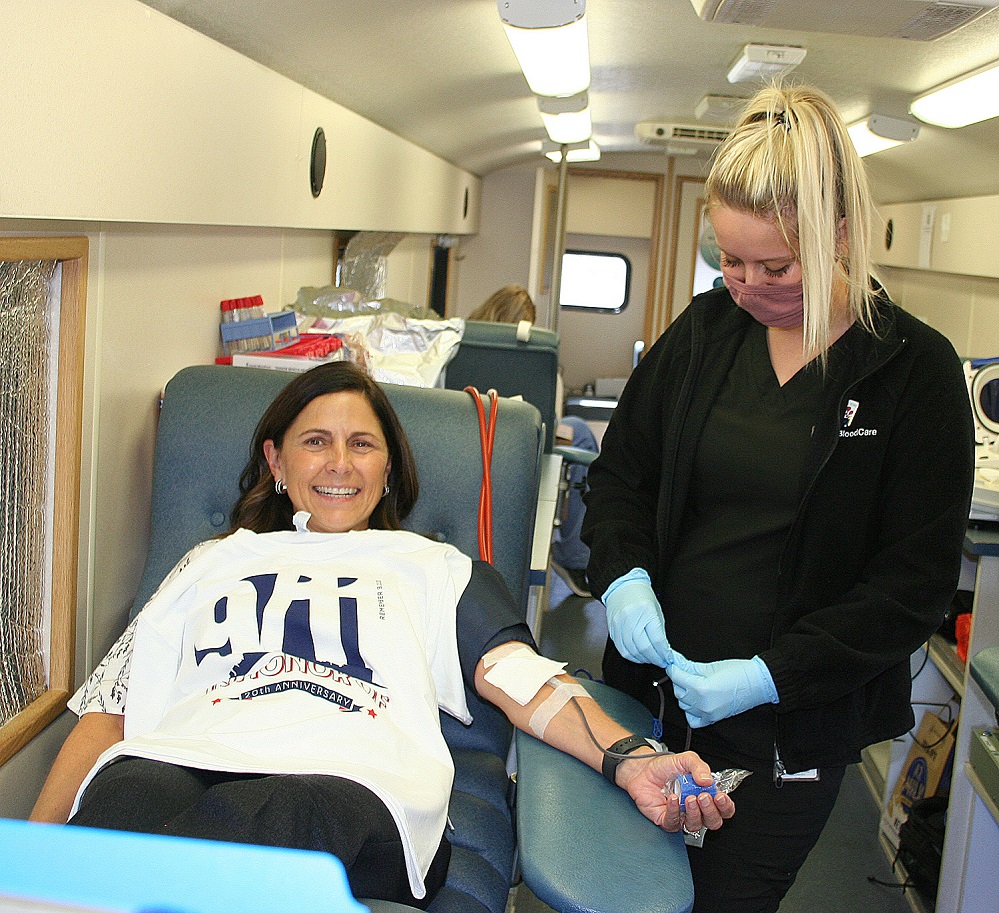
(921, 773)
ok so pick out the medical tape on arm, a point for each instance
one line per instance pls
(561, 695)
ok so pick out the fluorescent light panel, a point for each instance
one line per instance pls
(575, 152)
(879, 132)
(555, 61)
(571, 127)
(962, 101)
(866, 142)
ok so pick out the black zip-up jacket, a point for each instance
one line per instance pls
(872, 560)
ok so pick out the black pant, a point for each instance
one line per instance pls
(322, 813)
(751, 862)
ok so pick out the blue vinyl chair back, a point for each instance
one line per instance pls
(203, 442)
(490, 355)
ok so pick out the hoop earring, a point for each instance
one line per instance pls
(280, 487)
(386, 490)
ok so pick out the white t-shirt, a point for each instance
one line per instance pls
(301, 652)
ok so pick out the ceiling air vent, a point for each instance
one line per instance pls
(916, 20)
(655, 133)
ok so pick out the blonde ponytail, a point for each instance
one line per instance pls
(790, 160)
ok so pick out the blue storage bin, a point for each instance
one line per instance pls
(272, 327)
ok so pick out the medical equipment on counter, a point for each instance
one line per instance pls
(982, 375)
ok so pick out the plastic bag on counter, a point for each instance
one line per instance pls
(398, 349)
(334, 302)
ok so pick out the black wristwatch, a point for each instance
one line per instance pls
(623, 746)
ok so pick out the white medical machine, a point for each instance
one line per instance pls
(983, 386)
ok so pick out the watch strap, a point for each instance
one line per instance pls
(622, 747)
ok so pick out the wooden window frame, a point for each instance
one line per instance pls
(72, 254)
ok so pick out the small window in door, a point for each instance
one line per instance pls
(595, 281)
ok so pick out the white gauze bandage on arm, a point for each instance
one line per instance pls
(520, 673)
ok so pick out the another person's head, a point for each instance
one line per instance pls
(510, 304)
(790, 163)
(332, 445)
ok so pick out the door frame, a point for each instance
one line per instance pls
(653, 285)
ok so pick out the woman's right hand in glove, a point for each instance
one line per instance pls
(635, 620)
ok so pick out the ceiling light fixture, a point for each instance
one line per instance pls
(765, 61)
(962, 101)
(879, 132)
(567, 120)
(587, 151)
(550, 40)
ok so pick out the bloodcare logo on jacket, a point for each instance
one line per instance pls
(852, 408)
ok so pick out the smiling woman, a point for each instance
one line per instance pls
(332, 445)
(334, 462)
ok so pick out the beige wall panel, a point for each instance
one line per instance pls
(123, 114)
(964, 237)
(904, 219)
(983, 338)
(500, 253)
(950, 236)
(933, 298)
(407, 270)
(947, 303)
(610, 206)
(376, 181)
(964, 308)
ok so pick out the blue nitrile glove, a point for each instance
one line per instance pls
(635, 620)
(709, 692)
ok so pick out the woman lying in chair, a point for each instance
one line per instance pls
(282, 685)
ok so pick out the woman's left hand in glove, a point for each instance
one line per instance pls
(709, 692)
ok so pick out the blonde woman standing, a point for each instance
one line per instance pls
(777, 513)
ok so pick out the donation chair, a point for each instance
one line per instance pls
(584, 847)
(494, 355)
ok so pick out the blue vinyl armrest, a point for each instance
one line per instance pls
(584, 846)
(575, 454)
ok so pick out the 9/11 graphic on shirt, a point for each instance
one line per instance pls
(296, 667)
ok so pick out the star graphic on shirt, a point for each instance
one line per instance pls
(372, 713)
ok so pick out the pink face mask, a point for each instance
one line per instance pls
(772, 305)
